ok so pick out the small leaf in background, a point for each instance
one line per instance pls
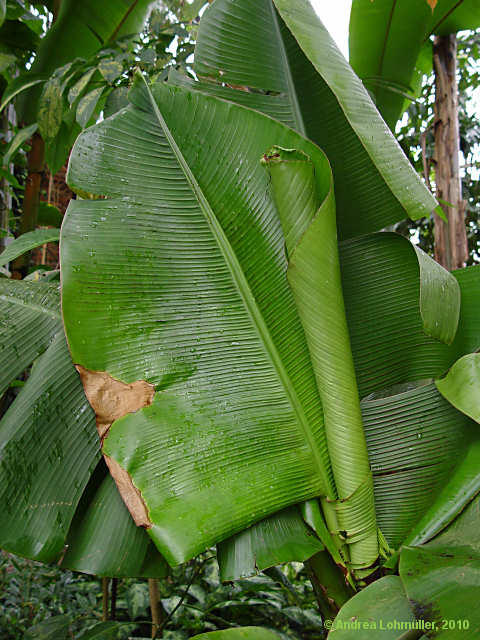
(55, 628)
(87, 106)
(28, 241)
(148, 56)
(432, 4)
(3, 11)
(110, 69)
(138, 599)
(50, 109)
(78, 88)
(191, 10)
(22, 136)
(6, 59)
(19, 84)
(48, 215)
(57, 149)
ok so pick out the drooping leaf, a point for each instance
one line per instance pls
(247, 322)
(80, 85)
(321, 97)
(30, 320)
(22, 136)
(49, 448)
(116, 100)
(44, 469)
(58, 148)
(28, 241)
(110, 69)
(103, 539)
(19, 84)
(278, 539)
(461, 385)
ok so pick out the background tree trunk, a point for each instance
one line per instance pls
(451, 246)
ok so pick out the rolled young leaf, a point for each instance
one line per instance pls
(306, 207)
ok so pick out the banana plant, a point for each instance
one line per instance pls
(259, 356)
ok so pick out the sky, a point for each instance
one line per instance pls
(335, 15)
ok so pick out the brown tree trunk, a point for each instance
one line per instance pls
(31, 198)
(451, 246)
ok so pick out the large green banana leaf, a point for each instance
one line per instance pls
(282, 61)
(390, 48)
(240, 376)
(49, 451)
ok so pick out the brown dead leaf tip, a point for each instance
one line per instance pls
(131, 496)
(432, 4)
(112, 399)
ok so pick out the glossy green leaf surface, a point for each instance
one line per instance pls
(318, 94)
(206, 210)
(400, 305)
(461, 385)
(378, 33)
(443, 587)
(28, 241)
(372, 612)
(461, 487)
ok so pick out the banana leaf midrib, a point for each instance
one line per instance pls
(243, 288)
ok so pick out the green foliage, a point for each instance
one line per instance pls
(193, 599)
